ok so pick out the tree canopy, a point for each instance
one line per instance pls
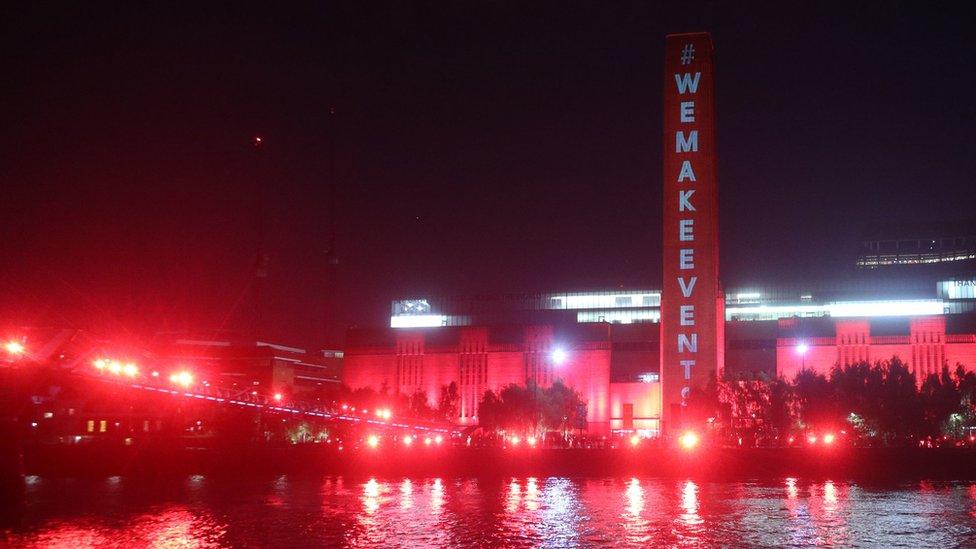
(532, 408)
(880, 403)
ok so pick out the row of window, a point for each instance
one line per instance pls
(104, 425)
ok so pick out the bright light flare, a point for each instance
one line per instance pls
(14, 347)
(387, 414)
(115, 367)
(689, 440)
(438, 439)
(100, 364)
(373, 441)
(802, 349)
(828, 438)
(183, 378)
(634, 440)
(428, 441)
(559, 356)
(277, 397)
(531, 441)
(130, 370)
(407, 440)
(515, 441)
(812, 439)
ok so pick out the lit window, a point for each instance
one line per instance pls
(102, 426)
(649, 378)
(91, 426)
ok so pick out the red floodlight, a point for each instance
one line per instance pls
(183, 378)
(689, 440)
(14, 347)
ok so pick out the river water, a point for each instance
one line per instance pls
(199, 511)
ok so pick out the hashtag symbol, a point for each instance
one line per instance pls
(687, 54)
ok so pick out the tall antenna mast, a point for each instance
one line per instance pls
(331, 253)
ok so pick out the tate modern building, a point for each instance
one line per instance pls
(634, 355)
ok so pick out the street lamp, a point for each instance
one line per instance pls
(801, 349)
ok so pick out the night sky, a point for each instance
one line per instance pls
(478, 148)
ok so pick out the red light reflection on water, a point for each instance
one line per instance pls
(634, 523)
(514, 496)
(553, 511)
(406, 494)
(532, 494)
(821, 518)
(436, 496)
(972, 496)
(688, 523)
(172, 527)
(689, 503)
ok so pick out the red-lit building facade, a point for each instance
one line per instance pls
(634, 356)
(606, 345)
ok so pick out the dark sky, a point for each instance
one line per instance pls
(479, 148)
